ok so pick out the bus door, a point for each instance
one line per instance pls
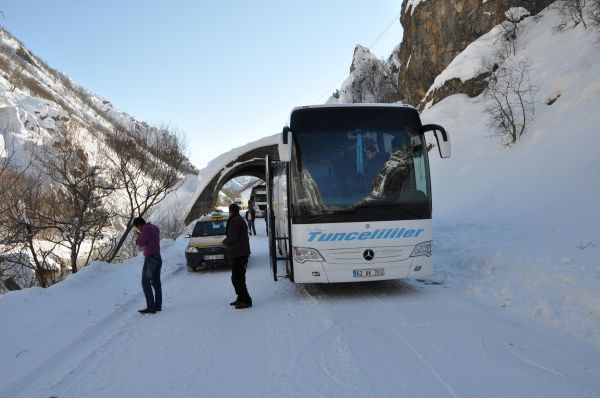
(277, 238)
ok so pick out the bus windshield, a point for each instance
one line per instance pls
(367, 165)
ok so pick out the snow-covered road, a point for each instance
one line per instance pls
(394, 338)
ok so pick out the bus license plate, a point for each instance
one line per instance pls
(214, 257)
(359, 273)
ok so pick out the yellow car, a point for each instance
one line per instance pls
(204, 248)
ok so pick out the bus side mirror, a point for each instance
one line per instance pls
(441, 136)
(285, 145)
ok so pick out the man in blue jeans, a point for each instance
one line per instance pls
(148, 238)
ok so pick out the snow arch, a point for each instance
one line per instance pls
(245, 160)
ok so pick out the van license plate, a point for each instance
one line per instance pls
(360, 273)
(214, 257)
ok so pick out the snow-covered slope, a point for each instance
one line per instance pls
(29, 86)
(36, 100)
(536, 205)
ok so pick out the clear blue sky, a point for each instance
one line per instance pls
(222, 72)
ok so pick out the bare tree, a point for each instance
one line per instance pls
(594, 13)
(147, 169)
(510, 95)
(26, 218)
(572, 13)
(16, 76)
(510, 100)
(11, 173)
(25, 250)
(508, 42)
(78, 214)
(386, 88)
(377, 84)
(171, 222)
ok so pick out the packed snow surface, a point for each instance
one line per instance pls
(428, 338)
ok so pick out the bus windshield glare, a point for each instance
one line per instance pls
(359, 164)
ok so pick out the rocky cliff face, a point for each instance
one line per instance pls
(436, 31)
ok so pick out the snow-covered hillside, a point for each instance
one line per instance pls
(538, 202)
(33, 97)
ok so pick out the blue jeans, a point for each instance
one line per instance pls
(251, 228)
(151, 279)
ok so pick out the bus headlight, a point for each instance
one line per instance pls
(191, 249)
(422, 249)
(302, 254)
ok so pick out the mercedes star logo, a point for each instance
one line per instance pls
(368, 254)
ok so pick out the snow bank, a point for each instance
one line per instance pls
(85, 301)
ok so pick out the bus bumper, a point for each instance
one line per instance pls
(314, 271)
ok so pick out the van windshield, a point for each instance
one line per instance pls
(209, 228)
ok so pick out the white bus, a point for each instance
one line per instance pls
(258, 196)
(350, 197)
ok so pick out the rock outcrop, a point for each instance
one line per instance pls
(436, 31)
(370, 80)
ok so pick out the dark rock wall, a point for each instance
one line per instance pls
(436, 31)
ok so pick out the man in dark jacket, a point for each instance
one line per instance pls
(237, 250)
(250, 217)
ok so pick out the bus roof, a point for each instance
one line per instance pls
(347, 116)
(355, 105)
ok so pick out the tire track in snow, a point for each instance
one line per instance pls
(60, 366)
(283, 380)
(308, 356)
(327, 356)
(212, 344)
(431, 359)
(176, 342)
